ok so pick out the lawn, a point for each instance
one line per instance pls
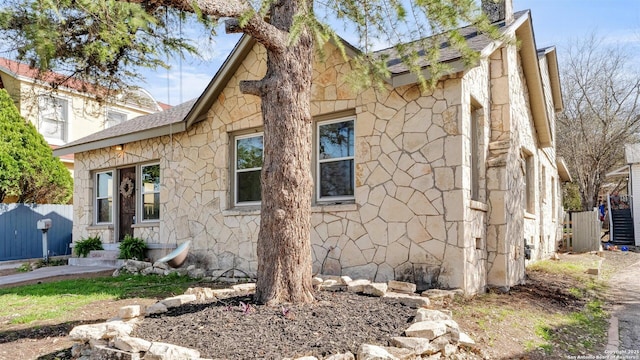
(49, 301)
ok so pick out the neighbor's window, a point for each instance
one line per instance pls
(150, 191)
(54, 117)
(114, 118)
(335, 168)
(104, 197)
(248, 166)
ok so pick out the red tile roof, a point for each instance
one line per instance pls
(64, 158)
(24, 70)
(164, 106)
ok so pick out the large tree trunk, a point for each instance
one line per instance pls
(284, 249)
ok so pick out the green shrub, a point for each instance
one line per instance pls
(132, 248)
(25, 267)
(84, 246)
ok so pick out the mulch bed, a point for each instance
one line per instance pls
(336, 323)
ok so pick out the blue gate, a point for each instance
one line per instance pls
(19, 237)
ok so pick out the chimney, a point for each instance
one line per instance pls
(498, 10)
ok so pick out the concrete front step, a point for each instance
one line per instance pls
(104, 254)
(89, 261)
(111, 246)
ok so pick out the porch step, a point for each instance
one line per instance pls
(111, 247)
(107, 257)
(104, 254)
(89, 261)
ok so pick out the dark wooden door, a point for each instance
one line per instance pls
(127, 201)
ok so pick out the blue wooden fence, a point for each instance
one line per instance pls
(19, 237)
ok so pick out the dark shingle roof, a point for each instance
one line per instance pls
(475, 40)
(174, 115)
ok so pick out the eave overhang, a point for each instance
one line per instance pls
(531, 69)
(563, 170)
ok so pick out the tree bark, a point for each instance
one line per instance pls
(284, 245)
(284, 240)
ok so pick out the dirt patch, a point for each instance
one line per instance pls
(502, 324)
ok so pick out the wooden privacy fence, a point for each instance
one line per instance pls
(582, 231)
(19, 237)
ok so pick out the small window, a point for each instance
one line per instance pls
(150, 191)
(554, 200)
(114, 118)
(543, 183)
(475, 153)
(247, 169)
(335, 154)
(104, 197)
(54, 117)
(529, 183)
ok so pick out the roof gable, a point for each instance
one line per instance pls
(184, 116)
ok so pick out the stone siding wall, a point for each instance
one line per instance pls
(412, 217)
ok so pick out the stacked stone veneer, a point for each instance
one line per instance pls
(412, 218)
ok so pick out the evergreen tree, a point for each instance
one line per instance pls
(28, 169)
(103, 39)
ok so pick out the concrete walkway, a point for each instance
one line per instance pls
(624, 332)
(50, 272)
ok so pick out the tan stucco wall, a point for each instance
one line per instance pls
(86, 115)
(412, 218)
(12, 85)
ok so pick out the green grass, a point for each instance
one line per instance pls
(26, 304)
(577, 332)
(575, 269)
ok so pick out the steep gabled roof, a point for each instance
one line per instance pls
(475, 39)
(196, 110)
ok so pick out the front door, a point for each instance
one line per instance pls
(127, 198)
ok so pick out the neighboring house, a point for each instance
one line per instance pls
(442, 188)
(71, 111)
(631, 172)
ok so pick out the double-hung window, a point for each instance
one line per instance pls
(335, 160)
(54, 117)
(247, 169)
(150, 191)
(104, 197)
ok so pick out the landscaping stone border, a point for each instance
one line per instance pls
(433, 334)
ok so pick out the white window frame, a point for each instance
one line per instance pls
(236, 170)
(330, 199)
(108, 123)
(44, 110)
(143, 192)
(96, 198)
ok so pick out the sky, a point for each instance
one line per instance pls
(555, 22)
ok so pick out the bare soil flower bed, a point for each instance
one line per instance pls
(336, 323)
